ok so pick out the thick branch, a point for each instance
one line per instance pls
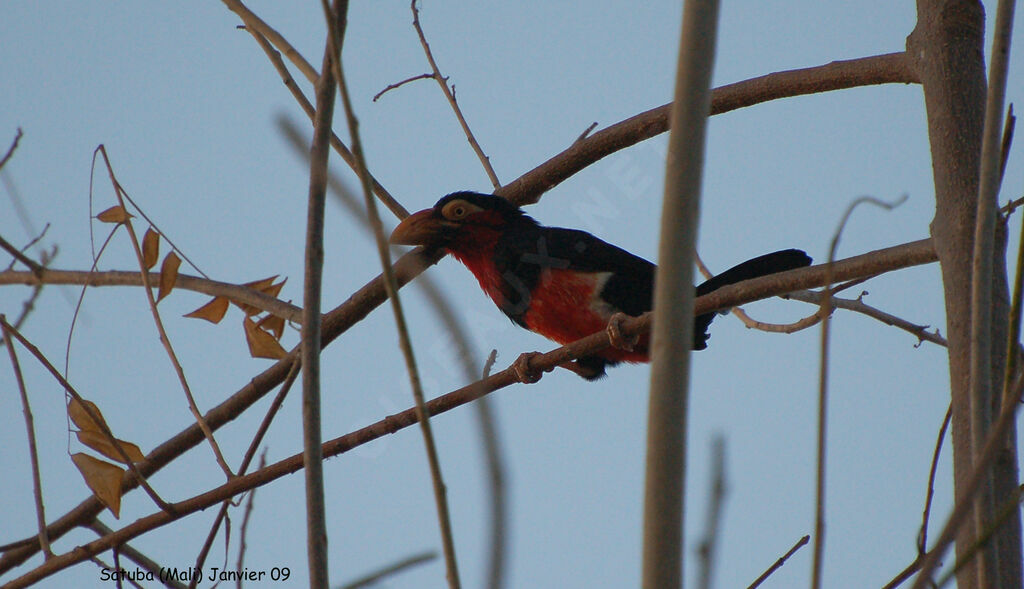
(890, 68)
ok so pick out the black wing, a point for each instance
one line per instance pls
(522, 255)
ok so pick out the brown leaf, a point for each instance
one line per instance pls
(274, 324)
(260, 285)
(115, 214)
(150, 248)
(103, 478)
(274, 289)
(101, 444)
(261, 343)
(213, 311)
(81, 418)
(168, 275)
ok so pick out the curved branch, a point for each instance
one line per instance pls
(877, 262)
(891, 68)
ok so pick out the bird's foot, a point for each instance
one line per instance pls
(524, 372)
(615, 336)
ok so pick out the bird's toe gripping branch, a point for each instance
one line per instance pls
(615, 336)
(526, 373)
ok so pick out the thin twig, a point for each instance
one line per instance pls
(10, 150)
(255, 24)
(135, 556)
(245, 524)
(778, 563)
(585, 132)
(922, 536)
(275, 59)
(377, 576)
(34, 266)
(449, 93)
(390, 87)
(254, 444)
(97, 419)
(164, 338)
(826, 314)
(391, 285)
(1008, 128)
(37, 484)
(28, 305)
(716, 499)
(859, 306)
(319, 154)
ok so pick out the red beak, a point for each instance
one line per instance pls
(420, 228)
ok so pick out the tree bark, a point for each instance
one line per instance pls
(946, 49)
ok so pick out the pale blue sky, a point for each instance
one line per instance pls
(186, 105)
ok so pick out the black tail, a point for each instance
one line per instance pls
(779, 261)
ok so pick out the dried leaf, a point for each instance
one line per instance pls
(103, 478)
(115, 214)
(274, 289)
(260, 285)
(168, 275)
(102, 444)
(81, 418)
(274, 324)
(213, 311)
(261, 343)
(150, 248)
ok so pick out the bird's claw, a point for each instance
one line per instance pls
(524, 372)
(615, 336)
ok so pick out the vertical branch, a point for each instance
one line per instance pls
(946, 50)
(450, 95)
(716, 498)
(37, 484)
(316, 526)
(673, 310)
(391, 287)
(1003, 555)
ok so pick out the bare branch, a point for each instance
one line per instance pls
(275, 59)
(134, 555)
(778, 563)
(880, 69)
(405, 343)
(164, 339)
(376, 576)
(390, 87)
(10, 150)
(235, 292)
(9, 331)
(37, 484)
(716, 499)
(449, 93)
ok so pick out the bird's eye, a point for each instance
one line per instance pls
(458, 210)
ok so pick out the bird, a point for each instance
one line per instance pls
(561, 283)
